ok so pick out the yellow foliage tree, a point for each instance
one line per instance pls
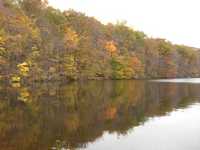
(23, 69)
(27, 25)
(71, 38)
(2, 43)
(24, 95)
(111, 48)
(70, 66)
(15, 79)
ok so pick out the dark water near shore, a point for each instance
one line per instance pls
(101, 115)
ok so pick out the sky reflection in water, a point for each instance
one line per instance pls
(179, 130)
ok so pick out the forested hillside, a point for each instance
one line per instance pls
(39, 43)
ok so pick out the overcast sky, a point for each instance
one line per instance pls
(176, 20)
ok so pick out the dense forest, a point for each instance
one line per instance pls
(40, 43)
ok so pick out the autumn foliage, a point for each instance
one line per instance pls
(111, 48)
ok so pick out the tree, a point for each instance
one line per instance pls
(40, 43)
(111, 48)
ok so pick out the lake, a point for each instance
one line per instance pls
(101, 115)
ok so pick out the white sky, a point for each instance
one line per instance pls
(176, 20)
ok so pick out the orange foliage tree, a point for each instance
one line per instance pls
(111, 47)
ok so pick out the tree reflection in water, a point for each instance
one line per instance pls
(55, 116)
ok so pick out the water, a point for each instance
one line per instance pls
(101, 115)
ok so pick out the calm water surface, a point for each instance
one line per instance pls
(101, 115)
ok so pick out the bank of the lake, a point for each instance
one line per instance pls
(46, 44)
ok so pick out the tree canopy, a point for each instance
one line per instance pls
(40, 43)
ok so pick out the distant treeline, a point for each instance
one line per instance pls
(39, 43)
